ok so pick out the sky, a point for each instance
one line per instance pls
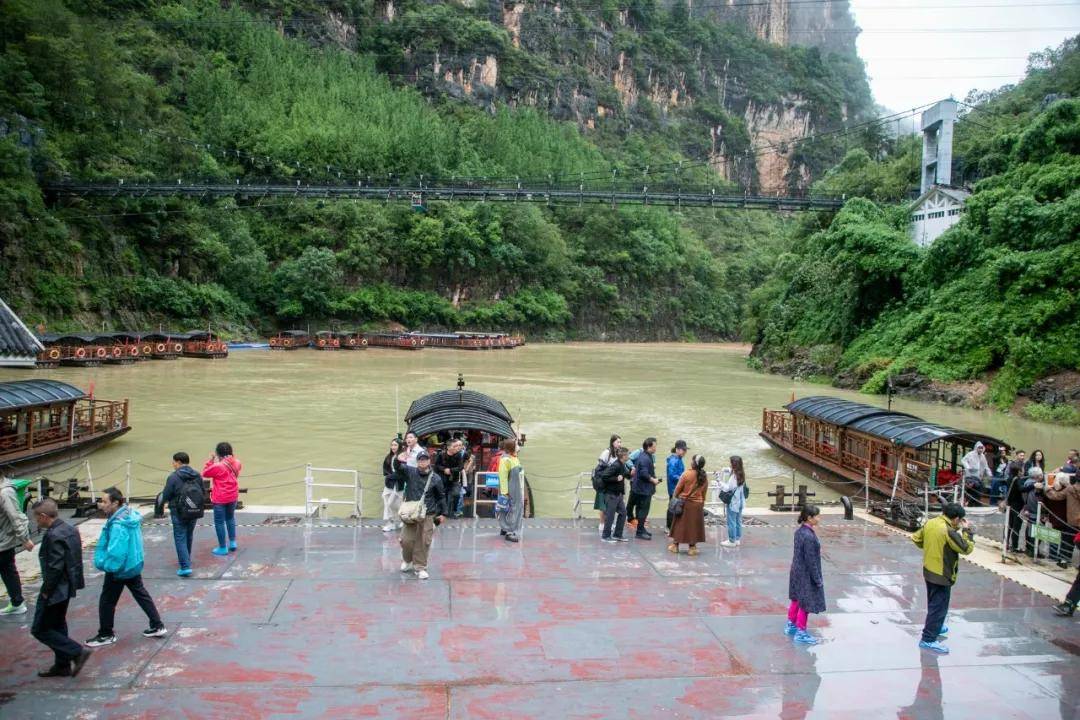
(909, 69)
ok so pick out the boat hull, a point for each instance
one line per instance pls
(54, 457)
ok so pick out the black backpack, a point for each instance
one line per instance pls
(597, 480)
(192, 497)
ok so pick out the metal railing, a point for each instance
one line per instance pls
(486, 476)
(321, 504)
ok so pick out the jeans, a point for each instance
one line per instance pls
(111, 589)
(937, 606)
(183, 533)
(734, 526)
(10, 575)
(614, 511)
(638, 509)
(225, 519)
(50, 627)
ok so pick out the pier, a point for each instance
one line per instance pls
(317, 621)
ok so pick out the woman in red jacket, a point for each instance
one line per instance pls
(223, 472)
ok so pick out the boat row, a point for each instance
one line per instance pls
(123, 348)
(342, 340)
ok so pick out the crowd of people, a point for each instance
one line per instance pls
(421, 492)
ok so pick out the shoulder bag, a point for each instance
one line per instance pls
(414, 511)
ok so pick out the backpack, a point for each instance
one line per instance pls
(493, 463)
(189, 504)
(597, 480)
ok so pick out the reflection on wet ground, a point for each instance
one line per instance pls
(319, 623)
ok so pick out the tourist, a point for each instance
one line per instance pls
(642, 488)
(1066, 489)
(393, 488)
(614, 482)
(186, 497)
(60, 557)
(119, 555)
(1071, 466)
(450, 463)
(976, 468)
(223, 471)
(511, 504)
(1067, 608)
(675, 468)
(688, 527)
(608, 456)
(1033, 488)
(1014, 498)
(943, 540)
(413, 448)
(806, 588)
(735, 486)
(14, 533)
(421, 485)
(1038, 460)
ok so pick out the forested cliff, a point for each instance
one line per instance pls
(634, 93)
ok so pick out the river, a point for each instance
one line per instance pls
(339, 410)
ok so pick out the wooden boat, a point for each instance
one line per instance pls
(204, 344)
(326, 340)
(402, 341)
(351, 340)
(123, 346)
(44, 423)
(845, 439)
(481, 420)
(164, 345)
(467, 340)
(78, 350)
(290, 340)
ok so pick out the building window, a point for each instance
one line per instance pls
(933, 215)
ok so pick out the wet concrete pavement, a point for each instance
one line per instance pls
(320, 623)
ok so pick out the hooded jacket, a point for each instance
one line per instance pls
(675, 468)
(120, 548)
(975, 465)
(175, 483)
(224, 477)
(14, 525)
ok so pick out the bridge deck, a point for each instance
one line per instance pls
(322, 624)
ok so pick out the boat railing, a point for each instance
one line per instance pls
(94, 417)
(313, 505)
(583, 493)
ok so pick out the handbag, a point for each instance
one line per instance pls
(676, 506)
(502, 504)
(414, 511)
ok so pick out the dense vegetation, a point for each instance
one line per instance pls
(187, 90)
(993, 298)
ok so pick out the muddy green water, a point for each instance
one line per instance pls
(339, 409)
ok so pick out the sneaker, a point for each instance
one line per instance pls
(100, 639)
(738, 543)
(1065, 609)
(789, 628)
(943, 631)
(1063, 564)
(644, 536)
(388, 528)
(77, 663)
(692, 551)
(232, 546)
(503, 533)
(622, 539)
(406, 567)
(55, 671)
(935, 646)
(184, 572)
(510, 537)
(220, 551)
(155, 632)
(726, 543)
(19, 609)
(608, 540)
(673, 548)
(422, 574)
(804, 638)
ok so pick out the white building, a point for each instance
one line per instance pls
(936, 210)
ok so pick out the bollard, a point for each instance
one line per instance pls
(803, 494)
(779, 494)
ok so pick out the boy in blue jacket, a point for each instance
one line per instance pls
(119, 555)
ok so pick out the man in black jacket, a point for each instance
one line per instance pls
(642, 488)
(416, 537)
(614, 479)
(450, 464)
(183, 525)
(61, 576)
(1014, 498)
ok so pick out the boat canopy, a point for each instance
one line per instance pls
(33, 393)
(896, 427)
(457, 410)
(77, 337)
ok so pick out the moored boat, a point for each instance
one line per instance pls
(402, 341)
(78, 350)
(848, 441)
(290, 340)
(46, 422)
(327, 340)
(123, 347)
(204, 344)
(478, 419)
(351, 340)
(164, 345)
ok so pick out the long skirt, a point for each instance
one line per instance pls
(689, 527)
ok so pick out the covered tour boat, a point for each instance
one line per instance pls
(290, 340)
(847, 439)
(482, 421)
(44, 423)
(402, 341)
(123, 347)
(327, 340)
(79, 350)
(164, 345)
(205, 344)
(351, 340)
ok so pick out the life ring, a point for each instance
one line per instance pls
(117, 351)
(80, 352)
(322, 342)
(147, 349)
(101, 352)
(413, 342)
(363, 341)
(54, 353)
(178, 347)
(161, 347)
(288, 342)
(352, 341)
(133, 351)
(337, 343)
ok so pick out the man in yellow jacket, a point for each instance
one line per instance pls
(943, 540)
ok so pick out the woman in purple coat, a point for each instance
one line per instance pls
(806, 589)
